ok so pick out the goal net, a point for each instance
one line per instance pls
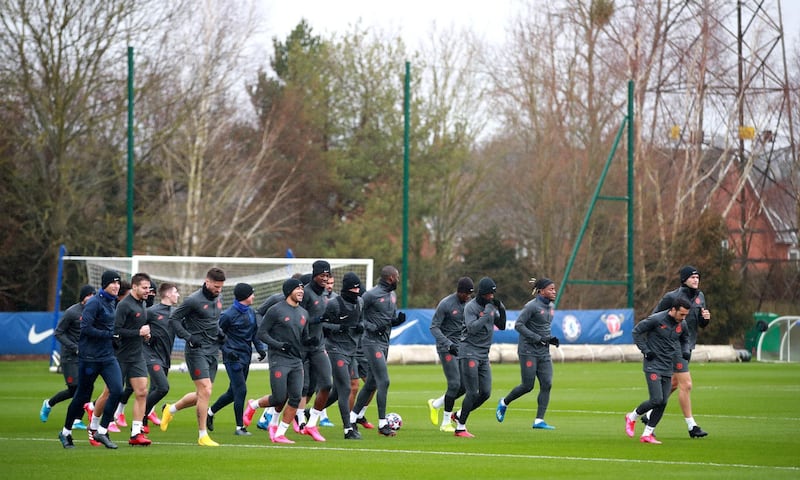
(266, 275)
(781, 341)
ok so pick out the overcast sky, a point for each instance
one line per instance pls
(413, 18)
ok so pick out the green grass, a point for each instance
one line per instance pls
(750, 411)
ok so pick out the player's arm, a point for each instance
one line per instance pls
(88, 318)
(521, 326)
(61, 331)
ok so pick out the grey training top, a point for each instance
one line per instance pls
(694, 318)
(479, 323)
(68, 332)
(199, 315)
(448, 322)
(282, 324)
(533, 325)
(129, 318)
(661, 335)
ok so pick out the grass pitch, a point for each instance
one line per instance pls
(750, 411)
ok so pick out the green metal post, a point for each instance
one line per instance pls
(628, 281)
(406, 129)
(129, 247)
(581, 234)
(630, 193)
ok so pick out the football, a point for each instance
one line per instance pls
(394, 421)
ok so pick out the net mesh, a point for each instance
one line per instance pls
(781, 341)
(266, 275)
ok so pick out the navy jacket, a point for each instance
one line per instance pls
(97, 328)
(240, 330)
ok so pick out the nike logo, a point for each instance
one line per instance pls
(35, 338)
(397, 331)
(343, 318)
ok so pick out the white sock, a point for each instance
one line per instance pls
(173, 409)
(446, 418)
(353, 417)
(633, 416)
(120, 410)
(282, 427)
(324, 413)
(503, 402)
(362, 412)
(210, 413)
(690, 422)
(313, 418)
(253, 404)
(202, 433)
(648, 430)
(459, 425)
(382, 422)
(538, 420)
(136, 428)
(438, 402)
(66, 432)
(94, 423)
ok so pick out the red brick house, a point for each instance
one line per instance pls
(762, 220)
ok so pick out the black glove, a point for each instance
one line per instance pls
(311, 341)
(554, 341)
(287, 347)
(371, 328)
(262, 354)
(497, 303)
(687, 356)
(401, 317)
(195, 340)
(649, 356)
(357, 329)
(221, 337)
(453, 349)
(331, 328)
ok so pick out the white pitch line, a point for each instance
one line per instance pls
(472, 454)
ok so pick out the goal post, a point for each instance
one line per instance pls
(266, 275)
(780, 342)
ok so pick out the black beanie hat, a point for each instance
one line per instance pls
(350, 280)
(86, 290)
(543, 283)
(305, 278)
(109, 276)
(289, 286)
(465, 285)
(319, 267)
(687, 272)
(242, 291)
(486, 285)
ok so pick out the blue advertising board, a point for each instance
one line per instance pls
(31, 333)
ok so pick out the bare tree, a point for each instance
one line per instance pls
(63, 71)
(225, 184)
